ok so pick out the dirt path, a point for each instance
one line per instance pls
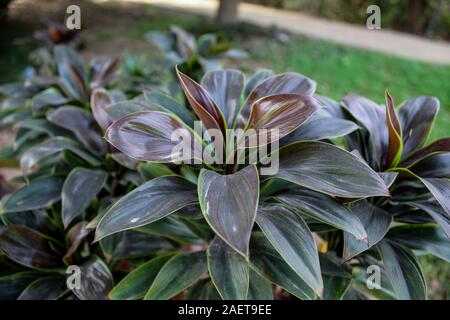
(385, 41)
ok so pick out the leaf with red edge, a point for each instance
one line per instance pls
(438, 146)
(395, 144)
(100, 101)
(416, 117)
(329, 169)
(283, 112)
(149, 136)
(229, 204)
(288, 82)
(202, 103)
(225, 87)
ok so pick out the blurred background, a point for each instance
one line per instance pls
(327, 40)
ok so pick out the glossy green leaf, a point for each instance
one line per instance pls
(151, 201)
(96, 280)
(80, 187)
(12, 285)
(337, 277)
(403, 271)
(82, 124)
(229, 204)
(150, 170)
(376, 222)
(323, 208)
(268, 263)
(259, 287)
(335, 287)
(416, 117)
(329, 169)
(149, 136)
(427, 238)
(202, 290)
(45, 288)
(28, 248)
(228, 270)
(40, 193)
(136, 283)
(180, 272)
(290, 236)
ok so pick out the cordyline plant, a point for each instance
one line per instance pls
(416, 217)
(198, 229)
(241, 257)
(69, 175)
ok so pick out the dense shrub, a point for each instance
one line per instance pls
(141, 225)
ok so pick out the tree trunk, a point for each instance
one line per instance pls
(432, 23)
(227, 12)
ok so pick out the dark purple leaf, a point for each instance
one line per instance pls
(288, 82)
(202, 104)
(225, 87)
(282, 112)
(82, 124)
(326, 168)
(416, 117)
(229, 204)
(28, 248)
(438, 146)
(395, 144)
(148, 136)
(151, 201)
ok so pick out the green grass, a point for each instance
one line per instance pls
(340, 70)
